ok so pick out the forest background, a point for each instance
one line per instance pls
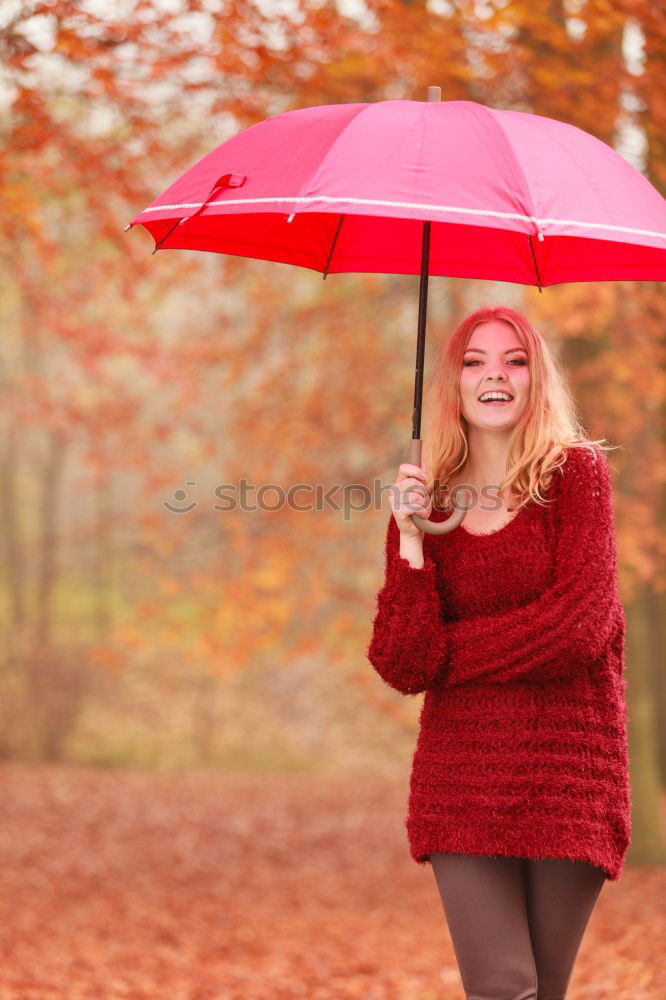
(146, 628)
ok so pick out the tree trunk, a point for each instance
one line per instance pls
(647, 845)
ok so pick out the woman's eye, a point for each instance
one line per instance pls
(514, 361)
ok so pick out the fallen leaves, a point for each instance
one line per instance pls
(204, 885)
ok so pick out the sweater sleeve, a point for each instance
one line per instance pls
(407, 646)
(570, 624)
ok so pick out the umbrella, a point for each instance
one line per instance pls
(411, 187)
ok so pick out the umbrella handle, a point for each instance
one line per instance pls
(432, 527)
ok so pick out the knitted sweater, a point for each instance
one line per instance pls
(517, 638)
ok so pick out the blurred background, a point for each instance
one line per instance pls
(170, 667)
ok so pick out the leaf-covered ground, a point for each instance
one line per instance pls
(203, 885)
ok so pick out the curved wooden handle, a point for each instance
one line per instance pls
(432, 527)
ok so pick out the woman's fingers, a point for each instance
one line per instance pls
(414, 493)
(411, 501)
(410, 482)
(417, 484)
(411, 470)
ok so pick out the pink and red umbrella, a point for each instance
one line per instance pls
(410, 187)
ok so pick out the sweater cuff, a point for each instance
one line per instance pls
(408, 647)
(414, 595)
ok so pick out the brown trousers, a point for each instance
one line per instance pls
(516, 924)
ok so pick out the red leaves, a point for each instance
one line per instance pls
(248, 886)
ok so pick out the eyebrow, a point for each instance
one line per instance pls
(477, 350)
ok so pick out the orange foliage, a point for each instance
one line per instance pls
(184, 368)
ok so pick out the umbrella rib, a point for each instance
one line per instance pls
(536, 266)
(166, 236)
(330, 254)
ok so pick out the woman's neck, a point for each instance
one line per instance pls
(487, 458)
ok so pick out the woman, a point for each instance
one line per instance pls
(513, 627)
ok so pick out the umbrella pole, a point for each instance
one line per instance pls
(414, 454)
(415, 445)
(433, 94)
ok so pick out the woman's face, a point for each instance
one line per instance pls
(494, 360)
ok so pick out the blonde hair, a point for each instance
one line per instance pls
(549, 424)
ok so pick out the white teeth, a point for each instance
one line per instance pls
(495, 395)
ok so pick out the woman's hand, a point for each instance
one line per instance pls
(410, 496)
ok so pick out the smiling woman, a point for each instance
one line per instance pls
(513, 627)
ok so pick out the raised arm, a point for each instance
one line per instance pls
(567, 627)
(407, 646)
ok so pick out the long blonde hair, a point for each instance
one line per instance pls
(548, 425)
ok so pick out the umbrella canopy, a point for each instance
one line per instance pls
(346, 187)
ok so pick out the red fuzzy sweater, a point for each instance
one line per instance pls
(517, 638)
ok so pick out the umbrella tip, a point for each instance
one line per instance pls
(434, 94)
(128, 226)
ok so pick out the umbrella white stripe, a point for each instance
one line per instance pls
(408, 204)
(601, 225)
